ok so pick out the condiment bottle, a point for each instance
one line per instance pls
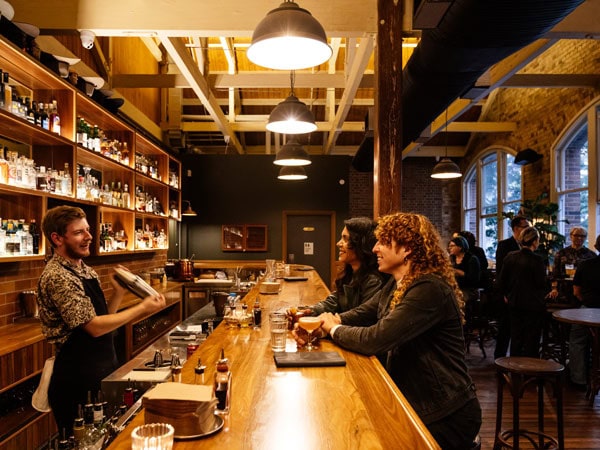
(176, 369)
(222, 385)
(256, 313)
(199, 371)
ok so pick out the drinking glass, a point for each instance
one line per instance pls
(310, 324)
(278, 325)
(155, 436)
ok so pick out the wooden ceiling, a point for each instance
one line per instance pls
(219, 102)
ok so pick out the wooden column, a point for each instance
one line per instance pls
(387, 172)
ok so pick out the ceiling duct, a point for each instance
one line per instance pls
(363, 158)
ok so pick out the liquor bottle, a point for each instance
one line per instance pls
(7, 92)
(3, 166)
(35, 237)
(125, 154)
(41, 183)
(30, 112)
(54, 118)
(67, 181)
(222, 384)
(78, 428)
(126, 198)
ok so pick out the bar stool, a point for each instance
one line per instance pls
(518, 372)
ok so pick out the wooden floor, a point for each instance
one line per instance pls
(582, 421)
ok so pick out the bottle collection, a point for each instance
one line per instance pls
(18, 170)
(95, 139)
(112, 240)
(147, 165)
(147, 238)
(19, 238)
(44, 115)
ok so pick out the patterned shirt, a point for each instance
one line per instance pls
(62, 300)
(570, 255)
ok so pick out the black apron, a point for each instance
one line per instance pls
(81, 364)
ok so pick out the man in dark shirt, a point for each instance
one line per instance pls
(517, 224)
(587, 290)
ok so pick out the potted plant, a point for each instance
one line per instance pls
(543, 214)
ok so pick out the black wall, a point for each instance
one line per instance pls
(244, 189)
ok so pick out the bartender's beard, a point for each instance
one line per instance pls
(79, 251)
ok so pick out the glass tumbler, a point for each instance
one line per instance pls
(155, 436)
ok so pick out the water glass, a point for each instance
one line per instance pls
(278, 324)
(152, 436)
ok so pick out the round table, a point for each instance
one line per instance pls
(589, 317)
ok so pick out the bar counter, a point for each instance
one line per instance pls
(353, 407)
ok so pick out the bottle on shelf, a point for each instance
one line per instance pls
(44, 119)
(3, 166)
(35, 237)
(126, 198)
(54, 118)
(222, 384)
(7, 100)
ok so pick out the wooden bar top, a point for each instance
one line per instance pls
(353, 407)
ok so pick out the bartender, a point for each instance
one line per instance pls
(76, 317)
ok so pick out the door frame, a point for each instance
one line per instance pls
(332, 235)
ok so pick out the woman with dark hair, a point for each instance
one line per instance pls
(359, 280)
(466, 267)
(416, 321)
(523, 282)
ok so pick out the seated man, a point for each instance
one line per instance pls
(587, 290)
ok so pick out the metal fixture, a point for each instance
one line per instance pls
(291, 116)
(289, 38)
(292, 154)
(292, 173)
(446, 168)
(188, 211)
(527, 156)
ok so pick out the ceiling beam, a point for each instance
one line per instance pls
(355, 74)
(553, 80)
(180, 55)
(259, 126)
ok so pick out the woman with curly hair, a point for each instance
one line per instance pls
(416, 320)
(359, 279)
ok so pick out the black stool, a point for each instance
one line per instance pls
(517, 372)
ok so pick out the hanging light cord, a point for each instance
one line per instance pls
(292, 81)
(446, 134)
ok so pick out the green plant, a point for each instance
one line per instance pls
(543, 215)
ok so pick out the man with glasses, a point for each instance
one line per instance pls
(517, 225)
(573, 254)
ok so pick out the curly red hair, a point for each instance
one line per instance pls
(416, 233)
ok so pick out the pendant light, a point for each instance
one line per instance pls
(446, 168)
(292, 154)
(292, 173)
(289, 38)
(291, 116)
(188, 212)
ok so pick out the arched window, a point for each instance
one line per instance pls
(572, 179)
(491, 186)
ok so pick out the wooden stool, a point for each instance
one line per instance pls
(517, 372)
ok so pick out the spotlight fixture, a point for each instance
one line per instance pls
(292, 173)
(188, 211)
(289, 38)
(446, 168)
(291, 116)
(292, 154)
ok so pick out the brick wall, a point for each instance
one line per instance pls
(16, 277)
(541, 114)
(436, 199)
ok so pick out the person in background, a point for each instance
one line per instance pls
(416, 320)
(517, 224)
(523, 281)
(76, 317)
(586, 289)
(479, 253)
(466, 268)
(359, 280)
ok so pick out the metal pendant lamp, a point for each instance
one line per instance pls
(289, 38)
(292, 154)
(292, 173)
(446, 169)
(291, 116)
(189, 212)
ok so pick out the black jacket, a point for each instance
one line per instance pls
(523, 280)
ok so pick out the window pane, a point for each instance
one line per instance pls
(489, 200)
(513, 179)
(470, 191)
(471, 221)
(573, 208)
(575, 174)
(489, 239)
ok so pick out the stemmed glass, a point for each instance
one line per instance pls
(310, 324)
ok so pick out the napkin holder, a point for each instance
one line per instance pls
(191, 416)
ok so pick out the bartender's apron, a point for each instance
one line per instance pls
(81, 364)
